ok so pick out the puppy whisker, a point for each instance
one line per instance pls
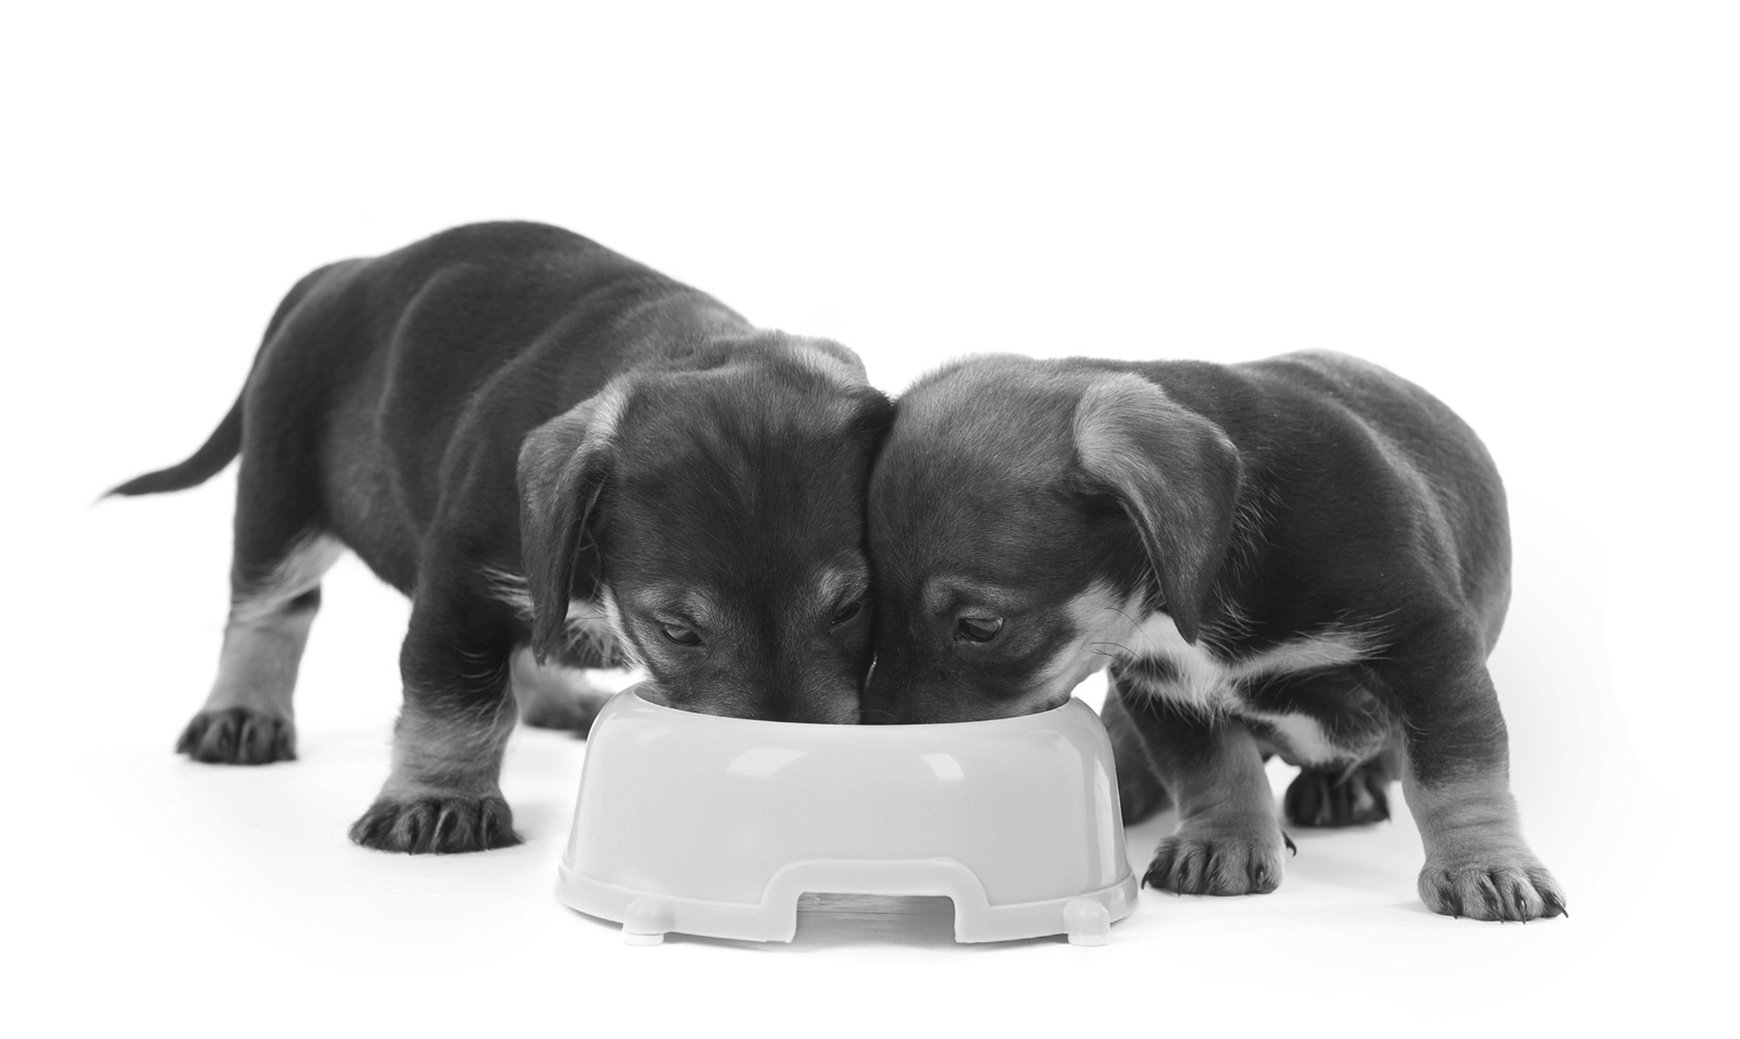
(1136, 627)
(1122, 649)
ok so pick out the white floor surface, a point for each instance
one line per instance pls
(1526, 207)
(153, 889)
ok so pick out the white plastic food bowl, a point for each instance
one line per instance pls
(716, 826)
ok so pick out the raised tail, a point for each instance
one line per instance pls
(219, 449)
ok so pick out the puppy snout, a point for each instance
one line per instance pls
(826, 703)
(880, 706)
(835, 713)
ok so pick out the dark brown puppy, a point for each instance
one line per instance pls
(1305, 556)
(558, 454)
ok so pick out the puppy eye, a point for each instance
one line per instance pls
(847, 612)
(680, 635)
(979, 629)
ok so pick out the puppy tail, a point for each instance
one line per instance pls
(221, 448)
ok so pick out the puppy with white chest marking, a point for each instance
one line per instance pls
(566, 460)
(1306, 556)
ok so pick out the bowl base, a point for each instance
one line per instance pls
(1085, 917)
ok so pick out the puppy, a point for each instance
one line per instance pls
(1305, 556)
(564, 459)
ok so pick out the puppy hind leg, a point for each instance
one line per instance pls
(1456, 778)
(248, 718)
(1338, 797)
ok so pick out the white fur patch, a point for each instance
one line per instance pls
(1303, 738)
(298, 573)
(1207, 680)
(613, 617)
(586, 621)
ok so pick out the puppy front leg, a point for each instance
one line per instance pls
(1229, 839)
(1141, 796)
(443, 793)
(1457, 784)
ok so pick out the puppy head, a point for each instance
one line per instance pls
(1022, 515)
(716, 509)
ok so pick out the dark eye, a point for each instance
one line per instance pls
(847, 612)
(680, 635)
(979, 629)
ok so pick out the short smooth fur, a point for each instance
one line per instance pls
(566, 460)
(1305, 556)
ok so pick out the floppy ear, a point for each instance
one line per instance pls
(562, 468)
(830, 359)
(1175, 474)
(873, 416)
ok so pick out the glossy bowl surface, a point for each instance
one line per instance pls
(716, 826)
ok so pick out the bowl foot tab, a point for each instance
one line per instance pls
(1087, 922)
(645, 921)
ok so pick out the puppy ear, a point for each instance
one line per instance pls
(832, 360)
(561, 472)
(873, 416)
(1175, 474)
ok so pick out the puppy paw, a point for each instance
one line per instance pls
(437, 824)
(238, 736)
(569, 712)
(1207, 861)
(1501, 891)
(1319, 797)
(554, 696)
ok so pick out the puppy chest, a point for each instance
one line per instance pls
(1323, 718)
(1310, 699)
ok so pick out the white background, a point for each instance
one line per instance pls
(1528, 208)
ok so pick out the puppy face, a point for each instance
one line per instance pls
(718, 512)
(1021, 513)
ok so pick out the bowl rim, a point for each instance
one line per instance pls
(1038, 719)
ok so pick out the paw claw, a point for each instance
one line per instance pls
(1553, 901)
